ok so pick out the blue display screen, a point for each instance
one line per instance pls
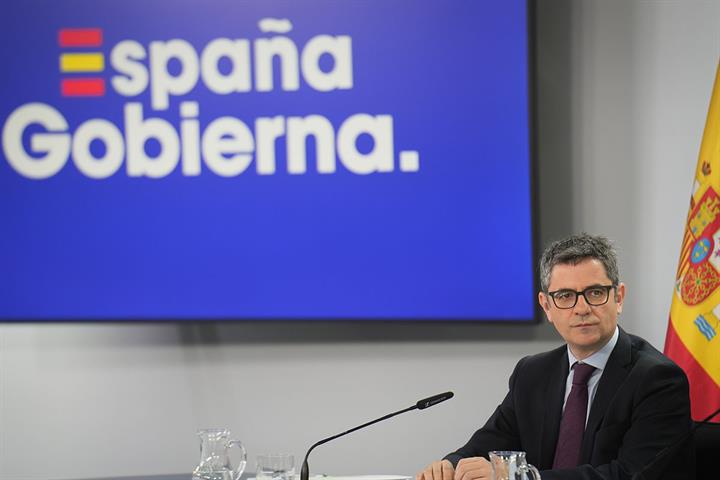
(209, 160)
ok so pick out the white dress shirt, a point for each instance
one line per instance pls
(598, 360)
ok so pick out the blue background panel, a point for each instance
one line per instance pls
(450, 241)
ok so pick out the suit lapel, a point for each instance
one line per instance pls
(616, 370)
(554, 397)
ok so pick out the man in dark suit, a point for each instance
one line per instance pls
(602, 406)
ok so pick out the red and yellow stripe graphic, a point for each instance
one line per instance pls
(82, 63)
(693, 335)
(80, 37)
(82, 87)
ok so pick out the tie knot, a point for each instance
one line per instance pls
(582, 373)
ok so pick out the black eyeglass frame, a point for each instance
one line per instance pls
(607, 289)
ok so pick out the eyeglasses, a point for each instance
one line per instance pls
(596, 295)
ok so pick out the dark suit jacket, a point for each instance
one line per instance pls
(641, 406)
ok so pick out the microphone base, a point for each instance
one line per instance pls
(305, 471)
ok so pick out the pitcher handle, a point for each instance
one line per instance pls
(534, 471)
(237, 472)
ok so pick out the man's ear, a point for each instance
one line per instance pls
(544, 301)
(620, 297)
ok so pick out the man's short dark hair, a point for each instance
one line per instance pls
(573, 250)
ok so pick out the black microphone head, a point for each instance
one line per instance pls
(434, 400)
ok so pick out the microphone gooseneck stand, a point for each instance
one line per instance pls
(420, 405)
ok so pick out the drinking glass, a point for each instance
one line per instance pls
(276, 466)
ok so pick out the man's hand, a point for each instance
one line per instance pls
(440, 470)
(473, 468)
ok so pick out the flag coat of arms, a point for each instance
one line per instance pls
(693, 339)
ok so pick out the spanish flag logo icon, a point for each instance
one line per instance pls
(81, 63)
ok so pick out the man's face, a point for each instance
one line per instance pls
(584, 327)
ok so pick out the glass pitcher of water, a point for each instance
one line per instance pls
(215, 463)
(512, 466)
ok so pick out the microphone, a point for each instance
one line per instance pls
(434, 400)
(672, 448)
(420, 405)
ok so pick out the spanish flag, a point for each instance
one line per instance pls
(693, 339)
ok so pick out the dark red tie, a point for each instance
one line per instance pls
(572, 426)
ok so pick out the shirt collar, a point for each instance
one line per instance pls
(600, 358)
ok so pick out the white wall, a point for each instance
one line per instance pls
(623, 91)
(84, 401)
(643, 79)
